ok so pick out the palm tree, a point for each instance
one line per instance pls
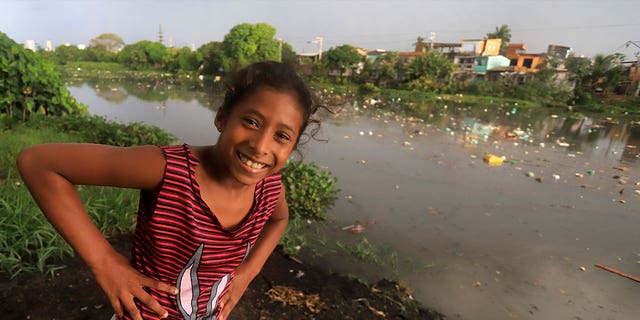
(606, 72)
(503, 32)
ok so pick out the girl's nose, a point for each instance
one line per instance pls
(260, 143)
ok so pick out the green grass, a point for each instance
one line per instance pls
(362, 251)
(28, 242)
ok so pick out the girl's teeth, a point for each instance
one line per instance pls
(254, 165)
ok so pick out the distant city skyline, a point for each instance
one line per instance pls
(589, 27)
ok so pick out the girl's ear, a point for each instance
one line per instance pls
(218, 122)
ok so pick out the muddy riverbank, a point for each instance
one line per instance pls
(285, 289)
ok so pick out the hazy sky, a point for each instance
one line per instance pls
(588, 26)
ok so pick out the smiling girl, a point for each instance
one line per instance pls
(209, 216)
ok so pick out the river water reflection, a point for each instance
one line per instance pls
(517, 241)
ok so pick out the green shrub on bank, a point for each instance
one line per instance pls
(97, 129)
(309, 189)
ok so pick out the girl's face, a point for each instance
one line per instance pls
(259, 134)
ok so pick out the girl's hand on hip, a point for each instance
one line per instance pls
(238, 286)
(122, 284)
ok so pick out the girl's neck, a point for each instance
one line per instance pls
(216, 171)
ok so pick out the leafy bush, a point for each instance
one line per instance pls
(30, 85)
(97, 129)
(368, 89)
(310, 190)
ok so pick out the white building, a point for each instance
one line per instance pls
(30, 44)
(48, 46)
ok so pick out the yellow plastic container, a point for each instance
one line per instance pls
(493, 160)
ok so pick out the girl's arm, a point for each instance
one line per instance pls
(249, 269)
(50, 172)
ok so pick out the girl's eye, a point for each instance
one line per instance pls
(251, 122)
(283, 136)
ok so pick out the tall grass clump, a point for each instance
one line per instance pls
(28, 242)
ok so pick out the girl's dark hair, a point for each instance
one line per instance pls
(274, 75)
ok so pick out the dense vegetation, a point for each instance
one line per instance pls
(29, 85)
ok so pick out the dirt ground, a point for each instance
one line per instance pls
(285, 289)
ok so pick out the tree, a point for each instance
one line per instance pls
(182, 59)
(288, 55)
(342, 58)
(213, 59)
(430, 71)
(579, 71)
(143, 54)
(64, 54)
(606, 72)
(503, 32)
(98, 54)
(547, 70)
(248, 43)
(383, 71)
(107, 41)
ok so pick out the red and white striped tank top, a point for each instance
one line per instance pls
(179, 241)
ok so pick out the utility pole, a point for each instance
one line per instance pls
(432, 36)
(635, 77)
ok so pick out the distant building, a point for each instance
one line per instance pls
(448, 50)
(48, 46)
(514, 50)
(374, 54)
(483, 64)
(407, 57)
(82, 46)
(30, 44)
(528, 62)
(557, 51)
(480, 47)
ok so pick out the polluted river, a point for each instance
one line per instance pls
(518, 238)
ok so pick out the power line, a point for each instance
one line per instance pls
(400, 34)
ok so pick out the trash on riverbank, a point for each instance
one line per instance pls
(293, 297)
(562, 143)
(493, 160)
(359, 227)
(618, 272)
(372, 309)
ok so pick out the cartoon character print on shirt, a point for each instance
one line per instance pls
(189, 289)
